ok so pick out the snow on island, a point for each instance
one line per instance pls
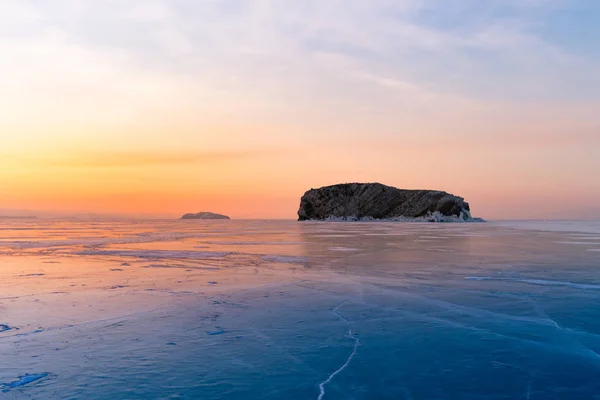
(374, 201)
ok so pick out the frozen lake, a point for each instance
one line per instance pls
(288, 310)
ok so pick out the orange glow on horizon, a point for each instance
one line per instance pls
(268, 184)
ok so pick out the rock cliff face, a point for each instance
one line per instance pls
(368, 201)
(205, 215)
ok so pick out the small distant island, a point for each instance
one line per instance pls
(205, 215)
(375, 201)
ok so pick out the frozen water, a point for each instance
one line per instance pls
(343, 367)
(287, 310)
(285, 259)
(22, 381)
(536, 282)
(162, 254)
(340, 248)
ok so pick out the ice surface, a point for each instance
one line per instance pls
(154, 253)
(285, 259)
(536, 282)
(22, 381)
(341, 248)
(343, 367)
(287, 310)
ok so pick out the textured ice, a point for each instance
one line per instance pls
(23, 380)
(128, 310)
(537, 282)
(341, 248)
(574, 242)
(94, 241)
(583, 228)
(241, 243)
(285, 259)
(154, 253)
(343, 367)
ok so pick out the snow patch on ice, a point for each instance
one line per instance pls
(286, 259)
(339, 248)
(430, 217)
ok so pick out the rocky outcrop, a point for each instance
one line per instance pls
(374, 201)
(205, 215)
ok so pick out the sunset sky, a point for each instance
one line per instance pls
(159, 108)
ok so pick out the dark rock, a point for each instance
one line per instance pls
(205, 215)
(374, 201)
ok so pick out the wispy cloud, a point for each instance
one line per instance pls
(271, 53)
(126, 159)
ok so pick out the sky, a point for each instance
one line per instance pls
(163, 107)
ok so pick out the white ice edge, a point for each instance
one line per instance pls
(430, 217)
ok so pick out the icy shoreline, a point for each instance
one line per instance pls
(431, 217)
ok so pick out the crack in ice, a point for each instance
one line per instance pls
(340, 369)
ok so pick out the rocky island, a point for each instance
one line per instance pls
(374, 201)
(205, 215)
